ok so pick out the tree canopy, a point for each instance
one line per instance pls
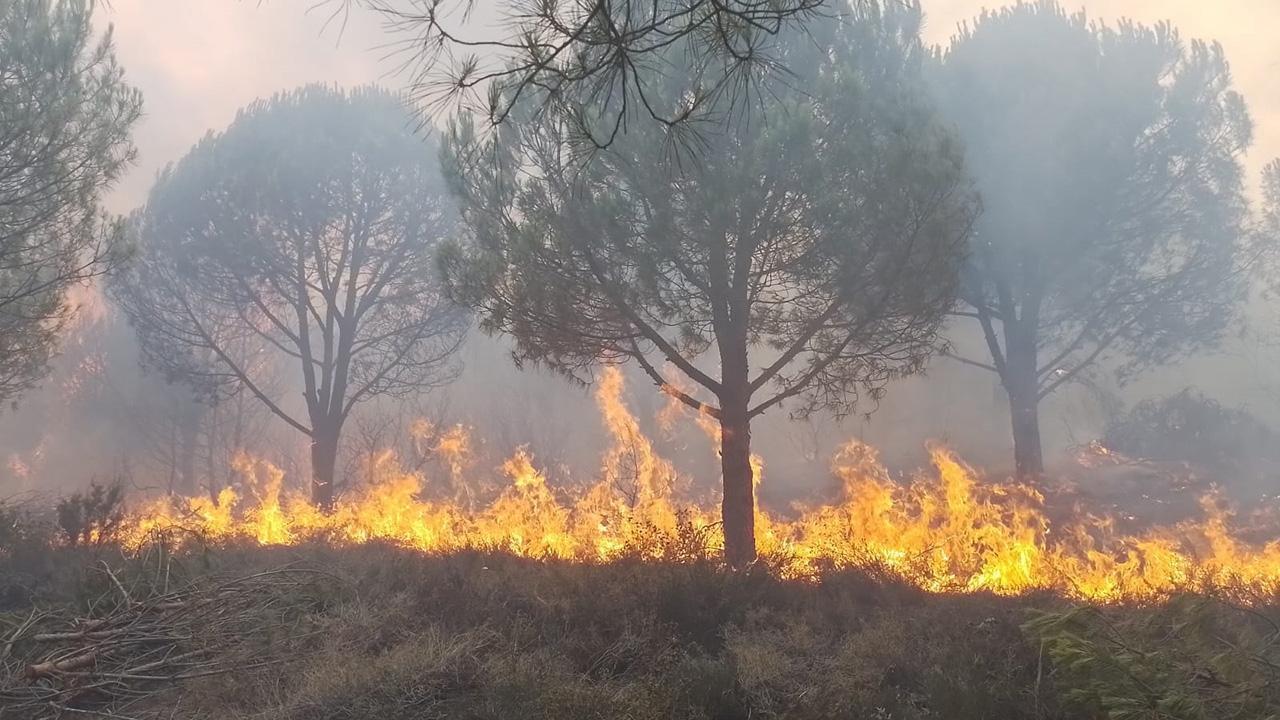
(1271, 203)
(65, 118)
(1108, 159)
(597, 65)
(811, 252)
(303, 236)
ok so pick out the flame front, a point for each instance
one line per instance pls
(945, 531)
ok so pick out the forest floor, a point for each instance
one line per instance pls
(376, 632)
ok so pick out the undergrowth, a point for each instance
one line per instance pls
(385, 633)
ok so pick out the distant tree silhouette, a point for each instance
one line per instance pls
(1108, 160)
(304, 234)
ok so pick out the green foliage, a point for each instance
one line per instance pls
(65, 118)
(1189, 427)
(810, 255)
(824, 234)
(547, 57)
(1196, 658)
(93, 516)
(312, 218)
(1110, 156)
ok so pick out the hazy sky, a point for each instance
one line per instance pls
(198, 61)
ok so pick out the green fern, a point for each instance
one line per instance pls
(1195, 658)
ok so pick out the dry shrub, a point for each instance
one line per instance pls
(1192, 428)
(416, 678)
(26, 564)
(147, 634)
(541, 684)
(94, 515)
(478, 636)
(640, 639)
(949, 658)
(438, 674)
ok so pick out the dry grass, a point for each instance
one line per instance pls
(398, 635)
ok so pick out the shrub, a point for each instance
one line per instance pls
(92, 517)
(10, 528)
(383, 632)
(1189, 427)
(1195, 658)
(25, 561)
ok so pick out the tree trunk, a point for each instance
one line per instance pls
(738, 508)
(1024, 411)
(324, 460)
(1028, 457)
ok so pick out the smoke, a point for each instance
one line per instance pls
(97, 416)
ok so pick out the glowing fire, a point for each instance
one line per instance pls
(945, 531)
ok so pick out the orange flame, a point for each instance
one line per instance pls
(944, 531)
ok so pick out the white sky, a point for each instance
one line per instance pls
(198, 61)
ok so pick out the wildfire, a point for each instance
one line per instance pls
(945, 531)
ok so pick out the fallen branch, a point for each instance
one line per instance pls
(46, 669)
(143, 638)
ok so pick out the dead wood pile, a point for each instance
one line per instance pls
(146, 634)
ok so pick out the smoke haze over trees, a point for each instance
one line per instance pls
(1113, 219)
(96, 405)
(304, 234)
